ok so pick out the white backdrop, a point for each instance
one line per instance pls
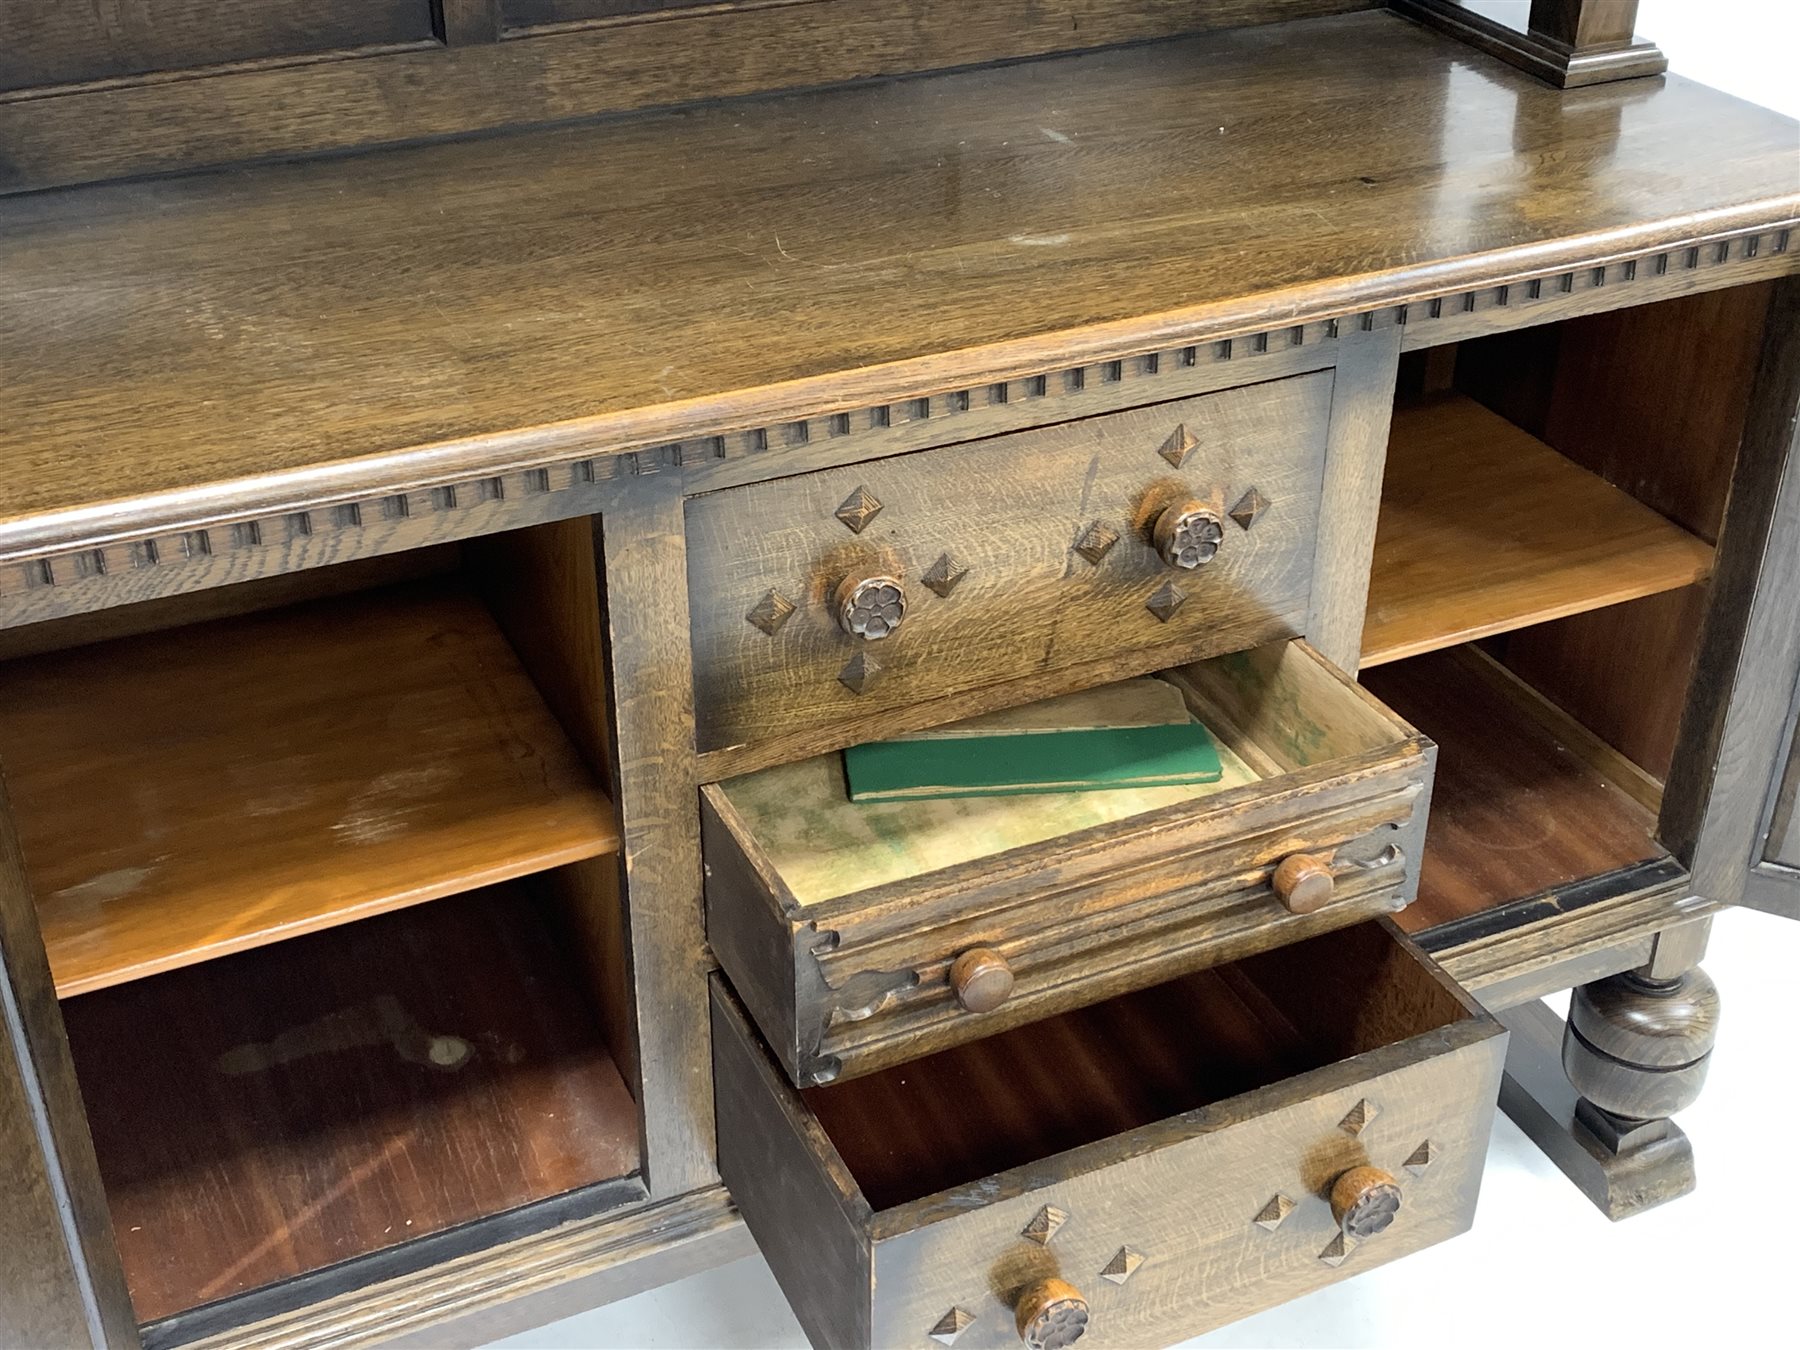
(1542, 1268)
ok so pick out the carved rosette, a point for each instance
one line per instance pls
(870, 605)
(1188, 535)
(1365, 1201)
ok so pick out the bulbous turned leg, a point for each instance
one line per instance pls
(1636, 1048)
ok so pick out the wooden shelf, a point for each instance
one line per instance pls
(1524, 804)
(203, 790)
(284, 1110)
(1484, 529)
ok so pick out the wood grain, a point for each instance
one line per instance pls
(1014, 512)
(324, 1098)
(1484, 528)
(1108, 1114)
(699, 330)
(1515, 812)
(60, 1279)
(847, 969)
(1736, 737)
(202, 790)
(63, 44)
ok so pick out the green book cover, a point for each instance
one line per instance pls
(1131, 735)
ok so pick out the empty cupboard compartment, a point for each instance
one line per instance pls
(841, 924)
(1152, 1166)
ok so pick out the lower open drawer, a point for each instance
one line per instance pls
(1139, 1170)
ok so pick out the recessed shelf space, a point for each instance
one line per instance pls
(202, 790)
(1485, 529)
(1526, 802)
(281, 1111)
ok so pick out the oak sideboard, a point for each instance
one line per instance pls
(470, 466)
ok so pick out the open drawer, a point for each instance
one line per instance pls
(1142, 1169)
(864, 935)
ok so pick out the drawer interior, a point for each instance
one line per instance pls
(1278, 710)
(1021, 1096)
(326, 869)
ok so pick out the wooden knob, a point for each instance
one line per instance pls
(1303, 883)
(1364, 1201)
(981, 978)
(870, 605)
(1187, 534)
(1051, 1315)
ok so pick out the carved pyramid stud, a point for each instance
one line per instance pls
(1251, 505)
(951, 1325)
(1179, 446)
(859, 508)
(1123, 1265)
(1359, 1117)
(944, 575)
(1337, 1251)
(1044, 1225)
(1421, 1158)
(773, 610)
(1096, 541)
(1166, 601)
(1269, 1217)
(860, 675)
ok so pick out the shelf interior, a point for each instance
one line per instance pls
(1485, 529)
(188, 793)
(1524, 804)
(282, 1110)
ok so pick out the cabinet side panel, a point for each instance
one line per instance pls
(60, 1279)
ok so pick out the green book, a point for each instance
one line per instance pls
(1135, 734)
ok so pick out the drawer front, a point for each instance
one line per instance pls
(853, 984)
(1164, 1231)
(1015, 556)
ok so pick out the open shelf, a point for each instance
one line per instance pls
(280, 1111)
(1524, 803)
(202, 790)
(1484, 529)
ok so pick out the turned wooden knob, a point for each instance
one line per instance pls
(981, 978)
(870, 605)
(1051, 1314)
(1303, 883)
(1187, 534)
(1364, 1201)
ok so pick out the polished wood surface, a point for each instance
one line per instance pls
(1484, 528)
(1018, 208)
(281, 1110)
(596, 60)
(1050, 535)
(202, 790)
(1515, 812)
(1135, 1149)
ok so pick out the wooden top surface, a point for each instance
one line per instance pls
(661, 274)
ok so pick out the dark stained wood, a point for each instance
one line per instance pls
(705, 51)
(462, 22)
(1653, 400)
(60, 1279)
(1515, 812)
(281, 1110)
(339, 759)
(641, 558)
(60, 44)
(1484, 528)
(1567, 43)
(651, 327)
(845, 971)
(1064, 1130)
(1016, 513)
(538, 13)
(1736, 739)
